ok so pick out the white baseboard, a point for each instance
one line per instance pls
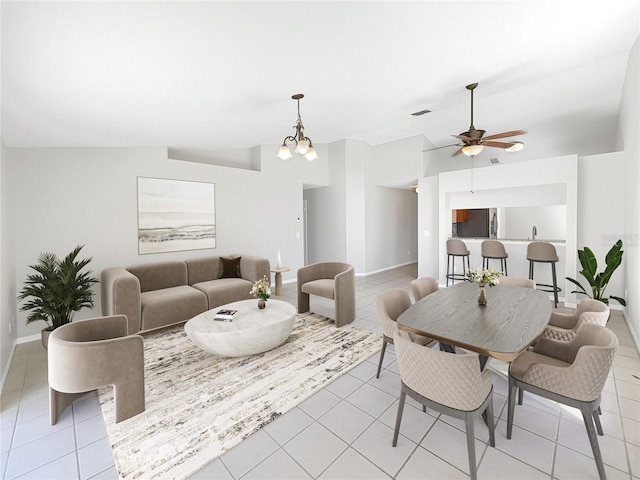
(6, 370)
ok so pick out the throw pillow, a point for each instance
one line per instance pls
(230, 267)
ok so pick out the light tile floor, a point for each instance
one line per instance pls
(345, 430)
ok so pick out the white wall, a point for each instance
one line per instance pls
(88, 196)
(550, 222)
(392, 227)
(326, 214)
(628, 131)
(600, 186)
(428, 227)
(8, 330)
(356, 154)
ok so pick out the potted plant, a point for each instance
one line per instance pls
(57, 290)
(598, 280)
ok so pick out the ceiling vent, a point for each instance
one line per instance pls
(494, 161)
(421, 112)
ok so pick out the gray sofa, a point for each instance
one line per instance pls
(159, 294)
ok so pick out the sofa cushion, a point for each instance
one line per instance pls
(156, 276)
(324, 287)
(230, 267)
(203, 269)
(225, 290)
(171, 305)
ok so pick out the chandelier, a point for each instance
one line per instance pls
(304, 146)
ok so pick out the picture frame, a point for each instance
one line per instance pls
(175, 215)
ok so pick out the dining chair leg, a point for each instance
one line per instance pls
(520, 396)
(511, 406)
(491, 422)
(596, 420)
(471, 447)
(384, 347)
(593, 439)
(401, 400)
(555, 284)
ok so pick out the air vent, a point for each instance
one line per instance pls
(421, 112)
(494, 161)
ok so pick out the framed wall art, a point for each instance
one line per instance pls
(175, 215)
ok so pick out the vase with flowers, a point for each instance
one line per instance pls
(262, 291)
(483, 278)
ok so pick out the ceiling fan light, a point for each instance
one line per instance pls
(472, 150)
(284, 153)
(311, 154)
(302, 147)
(516, 147)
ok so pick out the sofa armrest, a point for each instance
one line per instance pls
(254, 268)
(120, 292)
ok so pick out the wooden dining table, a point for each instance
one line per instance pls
(503, 328)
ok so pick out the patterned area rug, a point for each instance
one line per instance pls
(199, 405)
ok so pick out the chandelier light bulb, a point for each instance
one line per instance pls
(284, 153)
(311, 154)
(303, 146)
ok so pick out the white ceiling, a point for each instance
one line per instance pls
(219, 75)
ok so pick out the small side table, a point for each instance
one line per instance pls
(279, 272)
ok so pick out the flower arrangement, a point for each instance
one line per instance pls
(261, 289)
(484, 277)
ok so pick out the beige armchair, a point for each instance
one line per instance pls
(333, 280)
(572, 373)
(423, 286)
(447, 383)
(571, 320)
(391, 304)
(86, 355)
(517, 282)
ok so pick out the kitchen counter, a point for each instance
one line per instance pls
(528, 240)
(517, 263)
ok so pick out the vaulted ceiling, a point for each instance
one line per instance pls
(220, 75)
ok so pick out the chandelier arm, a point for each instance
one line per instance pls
(289, 138)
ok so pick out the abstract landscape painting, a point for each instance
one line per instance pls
(175, 215)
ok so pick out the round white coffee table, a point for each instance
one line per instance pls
(251, 331)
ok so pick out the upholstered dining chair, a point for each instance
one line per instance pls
(448, 383)
(588, 311)
(572, 373)
(332, 280)
(89, 354)
(423, 286)
(391, 304)
(517, 282)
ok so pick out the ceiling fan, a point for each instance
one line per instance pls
(474, 141)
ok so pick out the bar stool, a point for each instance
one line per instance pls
(456, 248)
(544, 252)
(494, 249)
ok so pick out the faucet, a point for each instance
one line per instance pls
(534, 232)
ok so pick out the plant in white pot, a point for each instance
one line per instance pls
(598, 281)
(57, 290)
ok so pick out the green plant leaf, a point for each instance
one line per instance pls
(620, 300)
(616, 250)
(588, 261)
(575, 282)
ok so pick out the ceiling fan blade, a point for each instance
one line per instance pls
(457, 152)
(497, 144)
(512, 133)
(464, 138)
(444, 146)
